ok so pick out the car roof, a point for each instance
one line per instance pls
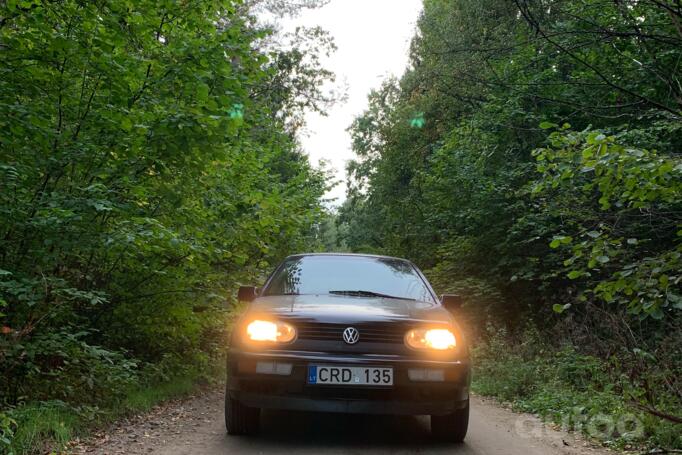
(298, 255)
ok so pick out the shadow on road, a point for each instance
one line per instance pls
(282, 430)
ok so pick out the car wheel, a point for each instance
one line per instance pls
(240, 419)
(451, 427)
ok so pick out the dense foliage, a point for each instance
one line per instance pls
(148, 164)
(529, 158)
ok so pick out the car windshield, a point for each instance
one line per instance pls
(356, 276)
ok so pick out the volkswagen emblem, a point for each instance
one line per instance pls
(351, 335)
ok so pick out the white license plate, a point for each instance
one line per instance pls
(347, 375)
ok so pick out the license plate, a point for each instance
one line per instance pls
(346, 375)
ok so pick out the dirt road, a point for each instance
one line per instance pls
(195, 426)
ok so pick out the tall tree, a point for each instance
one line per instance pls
(148, 164)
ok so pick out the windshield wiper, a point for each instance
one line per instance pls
(368, 294)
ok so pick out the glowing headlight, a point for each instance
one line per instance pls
(279, 332)
(439, 339)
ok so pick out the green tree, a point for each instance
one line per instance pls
(148, 165)
(467, 165)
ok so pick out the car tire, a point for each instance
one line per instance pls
(451, 427)
(240, 419)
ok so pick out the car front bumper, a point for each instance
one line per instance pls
(292, 391)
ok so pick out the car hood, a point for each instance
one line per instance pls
(327, 308)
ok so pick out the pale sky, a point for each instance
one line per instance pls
(373, 38)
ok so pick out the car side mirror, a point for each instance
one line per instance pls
(452, 302)
(247, 293)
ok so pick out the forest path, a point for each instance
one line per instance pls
(196, 426)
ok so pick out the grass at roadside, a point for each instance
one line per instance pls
(145, 399)
(45, 426)
(576, 391)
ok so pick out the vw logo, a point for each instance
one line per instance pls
(351, 335)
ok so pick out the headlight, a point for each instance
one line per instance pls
(439, 339)
(279, 332)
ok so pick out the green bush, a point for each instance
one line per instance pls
(571, 388)
(64, 366)
(580, 372)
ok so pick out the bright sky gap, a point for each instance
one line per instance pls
(366, 55)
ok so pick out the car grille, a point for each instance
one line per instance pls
(369, 333)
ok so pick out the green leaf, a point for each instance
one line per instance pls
(559, 240)
(202, 92)
(126, 124)
(657, 314)
(558, 308)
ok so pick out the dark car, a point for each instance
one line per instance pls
(348, 333)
